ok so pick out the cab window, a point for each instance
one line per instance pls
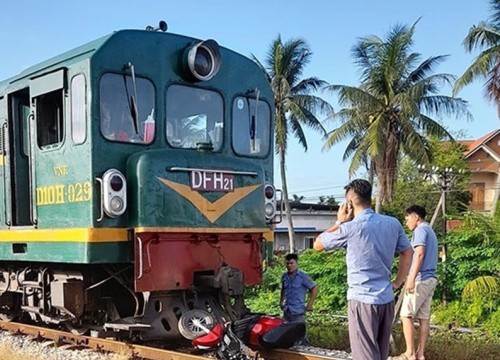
(78, 106)
(49, 119)
(118, 103)
(194, 118)
(251, 127)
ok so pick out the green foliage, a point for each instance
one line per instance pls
(411, 187)
(473, 253)
(452, 315)
(328, 200)
(446, 345)
(492, 324)
(327, 269)
(472, 273)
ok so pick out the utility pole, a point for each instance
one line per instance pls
(444, 188)
(448, 178)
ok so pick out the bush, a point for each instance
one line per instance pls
(327, 269)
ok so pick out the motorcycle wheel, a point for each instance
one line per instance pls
(194, 323)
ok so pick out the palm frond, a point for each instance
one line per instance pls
(301, 114)
(479, 68)
(481, 286)
(423, 70)
(431, 127)
(354, 96)
(495, 12)
(480, 36)
(313, 104)
(297, 130)
(348, 128)
(359, 157)
(306, 86)
(446, 105)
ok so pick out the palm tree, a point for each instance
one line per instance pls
(485, 35)
(295, 105)
(392, 111)
(297, 198)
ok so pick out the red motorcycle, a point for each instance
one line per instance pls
(232, 339)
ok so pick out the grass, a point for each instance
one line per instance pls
(442, 344)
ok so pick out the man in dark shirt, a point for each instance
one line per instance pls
(294, 286)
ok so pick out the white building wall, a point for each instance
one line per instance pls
(307, 224)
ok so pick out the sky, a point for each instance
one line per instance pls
(31, 32)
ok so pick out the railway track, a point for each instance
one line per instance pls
(147, 352)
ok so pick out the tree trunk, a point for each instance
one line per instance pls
(372, 170)
(391, 169)
(386, 172)
(288, 210)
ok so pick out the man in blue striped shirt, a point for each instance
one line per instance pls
(370, 240)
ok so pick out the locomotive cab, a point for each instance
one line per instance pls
(137, 184)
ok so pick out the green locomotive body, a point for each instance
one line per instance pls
(141, 162)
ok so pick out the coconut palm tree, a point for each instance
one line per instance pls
(485, 35)
(294, 101)
(391, 112)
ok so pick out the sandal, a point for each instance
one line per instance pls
(403, 356)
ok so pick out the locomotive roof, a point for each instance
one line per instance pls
(78, 53)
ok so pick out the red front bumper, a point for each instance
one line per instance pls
(168, 261)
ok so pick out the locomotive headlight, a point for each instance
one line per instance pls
(116, 204)
(203, 60)
(269, 201)
(116, 183)
(269, 210)
(269, 192)
(114, 193)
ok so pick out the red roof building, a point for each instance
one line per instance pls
(483, 156)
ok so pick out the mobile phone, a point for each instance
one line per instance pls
(349, 205)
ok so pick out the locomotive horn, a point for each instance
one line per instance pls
(161, 26)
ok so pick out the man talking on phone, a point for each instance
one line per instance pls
(370, 240)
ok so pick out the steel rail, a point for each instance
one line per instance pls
(132, 350)
(293, 355)
(63, 337)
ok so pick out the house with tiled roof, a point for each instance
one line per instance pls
(483, 156)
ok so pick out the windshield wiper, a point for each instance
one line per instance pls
(132, 99)
(253, 120)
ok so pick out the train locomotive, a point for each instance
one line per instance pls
(137, 186)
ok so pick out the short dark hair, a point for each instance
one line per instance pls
(416, 209)
(292, 257)
(362, 188)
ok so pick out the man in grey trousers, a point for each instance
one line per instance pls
(370, 240)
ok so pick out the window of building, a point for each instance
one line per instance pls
(309, 242)
(49, 118)
(78, 109)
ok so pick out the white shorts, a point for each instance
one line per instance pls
(418, 304)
